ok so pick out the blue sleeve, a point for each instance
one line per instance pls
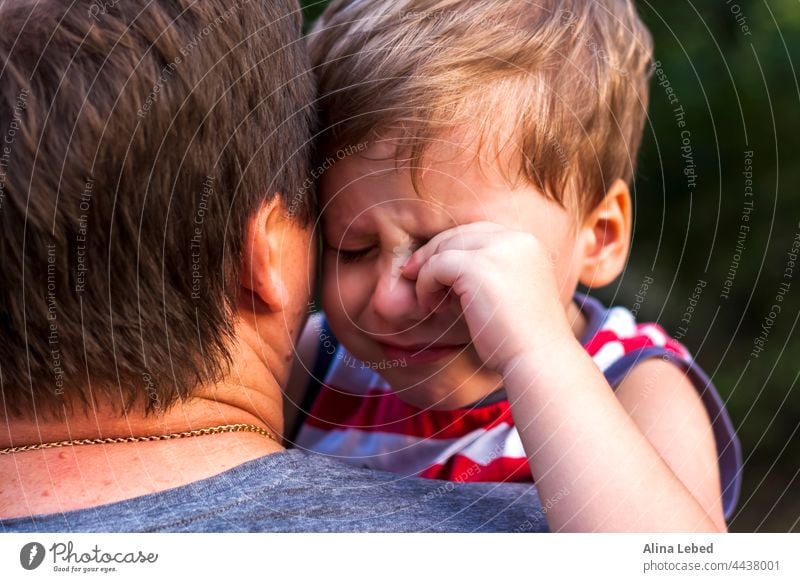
(729, 448)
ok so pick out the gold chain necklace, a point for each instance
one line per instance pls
(142, 439)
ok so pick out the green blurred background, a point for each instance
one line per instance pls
(731, 66)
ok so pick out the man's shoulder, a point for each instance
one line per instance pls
(323, 494)
(294, 491)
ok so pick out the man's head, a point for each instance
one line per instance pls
(145, 146)
(441, 112)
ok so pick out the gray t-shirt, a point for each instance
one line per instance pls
(295, 491)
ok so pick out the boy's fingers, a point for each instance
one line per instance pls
(472, 236)
(438, 275)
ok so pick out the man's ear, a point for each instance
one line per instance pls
(606, 234)
(261, 274)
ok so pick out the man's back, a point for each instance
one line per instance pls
(294, 491)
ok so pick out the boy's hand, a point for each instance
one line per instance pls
(505, 283)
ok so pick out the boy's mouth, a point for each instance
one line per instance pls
(420, 353)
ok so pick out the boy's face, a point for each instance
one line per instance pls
(373, 219)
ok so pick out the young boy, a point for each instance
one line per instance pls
(478, 157)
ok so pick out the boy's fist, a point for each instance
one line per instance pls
(505, 282)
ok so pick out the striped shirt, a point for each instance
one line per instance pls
(356, 417)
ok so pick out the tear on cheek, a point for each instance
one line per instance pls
(400, 255)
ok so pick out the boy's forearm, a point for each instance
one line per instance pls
(594, 469)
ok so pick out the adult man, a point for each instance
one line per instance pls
(158, 254)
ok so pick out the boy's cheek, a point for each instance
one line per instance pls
(339, 294)
(328, 263)
(342, 285)
(330, 304)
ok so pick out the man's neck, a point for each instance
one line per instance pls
(75, 477)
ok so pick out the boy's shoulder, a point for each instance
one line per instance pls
(649, 369)
(617, 341)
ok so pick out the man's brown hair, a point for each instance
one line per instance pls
(136, 139)
(562, 82)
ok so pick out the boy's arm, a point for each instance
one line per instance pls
(306, 353)
(631, 462)
(577, 434)
(668, 410)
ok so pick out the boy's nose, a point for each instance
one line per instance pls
(394, 298)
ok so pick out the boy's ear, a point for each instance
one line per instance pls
(605, 235)
(261, 274)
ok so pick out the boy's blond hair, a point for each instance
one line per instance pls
(565, 82)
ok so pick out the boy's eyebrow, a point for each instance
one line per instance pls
(330, 233)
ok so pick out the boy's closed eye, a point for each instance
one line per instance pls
(361, 253)
(351, 251)
(354, 255)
